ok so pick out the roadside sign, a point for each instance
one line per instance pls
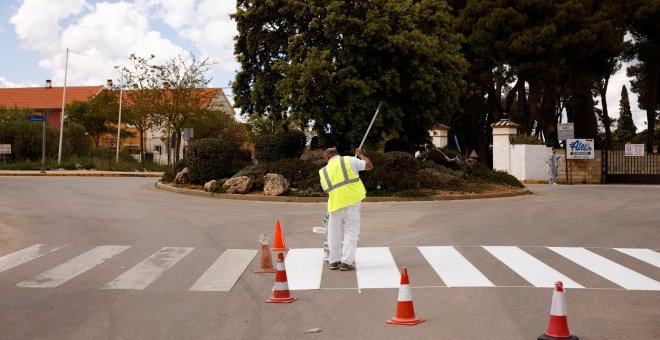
(36, 118)
(634, 150)
(579, 149)
(565, 131)
(188, 133)
(5, 149)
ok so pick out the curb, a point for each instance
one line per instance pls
(81, 174)
(167, 187)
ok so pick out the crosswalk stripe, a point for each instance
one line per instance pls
(376, 268)
(530, 268)
(74, 267)
(225, 271)
(647, 255)
(304, 268)
(147, 271)
(608, 269)
(453, 268)
(12, 260)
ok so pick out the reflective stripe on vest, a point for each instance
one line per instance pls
(340, 184)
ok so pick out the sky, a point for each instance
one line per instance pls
(34, 36)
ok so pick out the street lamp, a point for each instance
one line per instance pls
(66, 67)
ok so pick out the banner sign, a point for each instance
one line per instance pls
(634, 150)
(565, 131)
(5, 149)
(580, 149)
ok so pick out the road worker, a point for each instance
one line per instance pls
(340, 179)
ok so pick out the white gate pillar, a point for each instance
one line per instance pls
(502, 130)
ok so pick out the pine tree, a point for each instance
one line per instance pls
(625, 115)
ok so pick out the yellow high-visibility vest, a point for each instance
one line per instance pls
(342, 184)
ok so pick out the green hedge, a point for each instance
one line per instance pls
(210, 158)
(280, 146)
(393, 171)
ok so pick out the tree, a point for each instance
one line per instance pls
(140, 100)
(355, 54)
(643, 18)
(96, 114)
(184, 93)
(626, 128)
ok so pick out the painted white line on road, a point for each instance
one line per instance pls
(225, 271)
(74, 267)
(647, 255)
(453, 268)
(608, 269)
(147, 271)
(376, 268)
(12, 260)
(304, 268)
(530, 268)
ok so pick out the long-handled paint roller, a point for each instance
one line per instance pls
(323, 230)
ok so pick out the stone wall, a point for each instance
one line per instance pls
(580, 171)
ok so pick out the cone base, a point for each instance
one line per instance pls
(405, 322)
(265, 271)
(547, 337)
(281, 300)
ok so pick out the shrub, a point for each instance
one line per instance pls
(393, 171)
(525, 139)
(434, 179)
(398, 144)
(279, 146)
(495, 176)
(303, 175)
(210, 158)
(441, 156)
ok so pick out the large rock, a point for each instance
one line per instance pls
(182, 177)
(275, 185)
(212, 186)
(238, 185)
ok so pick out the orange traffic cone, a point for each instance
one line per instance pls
(405, 311)
(281, 288)
(266, 259)
(558, 325)
(278, 242)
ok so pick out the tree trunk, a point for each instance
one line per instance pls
(651, 98)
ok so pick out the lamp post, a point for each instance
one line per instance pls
(121, 89)
(66, 66)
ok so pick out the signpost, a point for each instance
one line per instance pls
(634, 150)
(42, 119)
(5, 149)
(565, 131)
(580, 149)
(36, 118)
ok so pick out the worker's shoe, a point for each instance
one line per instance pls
(333, 266)
(346, 267)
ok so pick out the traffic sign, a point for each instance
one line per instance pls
(565, 131)
(36, 118)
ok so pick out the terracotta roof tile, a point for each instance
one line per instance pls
(42, 97)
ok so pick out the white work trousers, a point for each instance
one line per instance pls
(343, 233)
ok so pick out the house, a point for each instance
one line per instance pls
(49, 99)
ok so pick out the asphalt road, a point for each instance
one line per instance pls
(72, 216)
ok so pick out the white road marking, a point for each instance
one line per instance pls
(530, 268)
(225, 271)
(304, 268)
(12, 260)
(74, 267)
(376, 268)
(647, 255)
(453, 268)
(608, 269)
(147, 271)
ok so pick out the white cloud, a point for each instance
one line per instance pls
(6, 83)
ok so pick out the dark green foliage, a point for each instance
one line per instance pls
(210, 158)
(431, 178)
(393, 171)
(398, 144)
(437, 156)
(302, 175)
(280, 146)
(314, 143)
(495, 176)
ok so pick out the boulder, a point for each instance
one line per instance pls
(238, 185)
(212, 186)
(182, 177)
(275, 185)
